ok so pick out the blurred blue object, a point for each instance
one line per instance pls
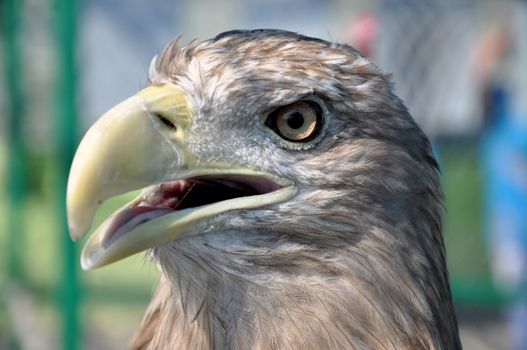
(505, 167)
(504, 153)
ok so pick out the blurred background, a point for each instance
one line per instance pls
(458, 65)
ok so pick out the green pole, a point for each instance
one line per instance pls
(66, 136)
(16, 158)
(16, 166)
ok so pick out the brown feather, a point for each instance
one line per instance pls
(152, 319)
(355, 261)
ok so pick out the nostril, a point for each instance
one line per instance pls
(167, 122)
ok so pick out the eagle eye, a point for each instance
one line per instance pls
(298, 122)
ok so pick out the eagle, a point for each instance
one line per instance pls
(288, 198)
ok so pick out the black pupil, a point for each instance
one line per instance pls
(295, 120)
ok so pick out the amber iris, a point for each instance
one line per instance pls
(297, 122)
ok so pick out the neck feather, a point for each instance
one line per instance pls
(340, 303)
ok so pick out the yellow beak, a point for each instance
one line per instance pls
(126, 149)
(139, 143)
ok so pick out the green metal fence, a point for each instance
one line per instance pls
(66, 131)
(16, 163)
(66, 140)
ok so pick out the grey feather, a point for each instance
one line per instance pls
(354, 261)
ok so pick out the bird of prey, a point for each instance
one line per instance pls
(289, 200)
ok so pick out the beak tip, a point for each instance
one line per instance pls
(85, 266)
(74, 235)
(76, 231)
(91, 257)
(79, 220)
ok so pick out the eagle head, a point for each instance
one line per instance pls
(289, 200)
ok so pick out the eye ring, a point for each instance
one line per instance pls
(299, 122)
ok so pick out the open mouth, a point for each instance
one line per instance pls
(169, 197)
(166, 211)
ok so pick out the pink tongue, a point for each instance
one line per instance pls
(130, 218)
